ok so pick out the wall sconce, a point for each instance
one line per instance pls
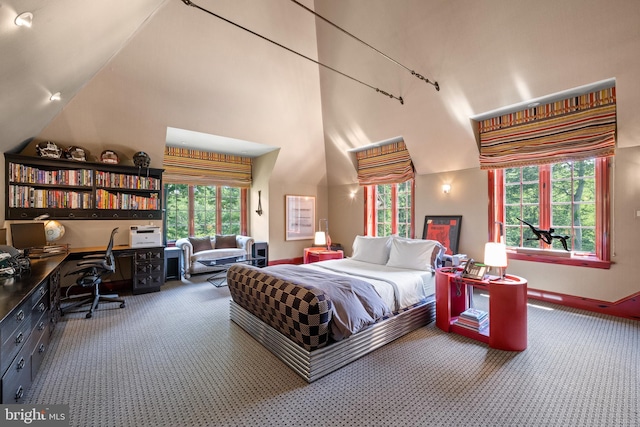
(446, 188)
(259, 210)
(55, 97)
(25, 19)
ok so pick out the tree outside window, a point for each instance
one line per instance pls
(570, 197)
(389, 209)
(202, 210)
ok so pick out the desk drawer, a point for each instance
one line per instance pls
(14, 340)
(41, 333)
(17, 380)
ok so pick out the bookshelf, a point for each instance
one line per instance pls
(69, 189)
(507, 316)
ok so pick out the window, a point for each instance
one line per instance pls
(389, 209)
(570, 198)
(202, 210)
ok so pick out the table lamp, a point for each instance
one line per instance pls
(322, 237)
(495, 255)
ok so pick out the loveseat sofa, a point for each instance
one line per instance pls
(197, 248)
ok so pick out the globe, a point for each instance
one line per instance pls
(53, 230)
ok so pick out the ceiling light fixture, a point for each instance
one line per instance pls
(55, 97)
(25, 19)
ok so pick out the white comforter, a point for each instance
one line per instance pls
(398, 288)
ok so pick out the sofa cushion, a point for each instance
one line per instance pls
(200, 243)
(226, 241)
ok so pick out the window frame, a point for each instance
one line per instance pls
(218, 214)
(370, 208)
(602, 257)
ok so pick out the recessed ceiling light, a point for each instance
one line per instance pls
(55, 97)
(25, 19)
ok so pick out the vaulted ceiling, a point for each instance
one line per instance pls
(129, 70)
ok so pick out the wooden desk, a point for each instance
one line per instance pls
(29, 311)
(147, 264)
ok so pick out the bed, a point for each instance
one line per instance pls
(319, 317)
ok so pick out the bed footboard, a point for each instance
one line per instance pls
(299, 313)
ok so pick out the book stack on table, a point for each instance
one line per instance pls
(474, 319)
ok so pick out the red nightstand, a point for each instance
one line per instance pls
(507, 308)
(320, 254)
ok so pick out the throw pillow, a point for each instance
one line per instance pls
(200, 243)
(374, 250)
(227, 241)
(416, 254)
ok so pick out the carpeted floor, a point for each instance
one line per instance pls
(173, 358)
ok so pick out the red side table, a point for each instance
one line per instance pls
(507, 308)
(320, 254)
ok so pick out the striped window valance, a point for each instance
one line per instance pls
(185, 166)
(386, 164)
(572, 129)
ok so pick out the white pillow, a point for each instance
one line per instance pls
(374, 250)
(415, 254)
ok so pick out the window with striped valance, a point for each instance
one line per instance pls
(386, 164)
(186, 166)
(576, 128)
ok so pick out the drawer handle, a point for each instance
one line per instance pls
(19, 338)
(41, 307)
(41, 348)
(20, 316)
(20, 364)
(41, 326)
(19, 393)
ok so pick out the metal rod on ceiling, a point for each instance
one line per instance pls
(190, 3)
(413, 73)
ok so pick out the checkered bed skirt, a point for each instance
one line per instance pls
(297, 312)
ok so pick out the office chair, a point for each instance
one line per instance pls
(91, 270)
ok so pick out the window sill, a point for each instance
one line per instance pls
(558, 257)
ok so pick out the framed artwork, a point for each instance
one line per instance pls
(300, 214)
(445, 229)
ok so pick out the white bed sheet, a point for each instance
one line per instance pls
(398, 288)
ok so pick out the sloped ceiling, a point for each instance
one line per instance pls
(70, 41)
(168, 65)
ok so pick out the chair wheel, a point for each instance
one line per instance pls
(88, 316)
(122, 305)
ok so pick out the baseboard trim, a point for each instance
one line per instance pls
(628, 307)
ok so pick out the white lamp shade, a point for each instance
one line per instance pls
(495, 254)
(320, 238)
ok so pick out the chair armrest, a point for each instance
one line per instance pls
(245, 242)
(187, 249)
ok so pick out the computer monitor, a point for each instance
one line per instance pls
(28, 235)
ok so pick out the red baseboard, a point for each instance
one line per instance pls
(628, 307)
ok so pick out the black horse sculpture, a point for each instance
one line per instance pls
(546, 236)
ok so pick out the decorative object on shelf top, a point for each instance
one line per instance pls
(75, 153)
(141, 159)
(109, 156)
(49, 149)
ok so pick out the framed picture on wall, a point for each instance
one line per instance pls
(445, 229)
(300, 213)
